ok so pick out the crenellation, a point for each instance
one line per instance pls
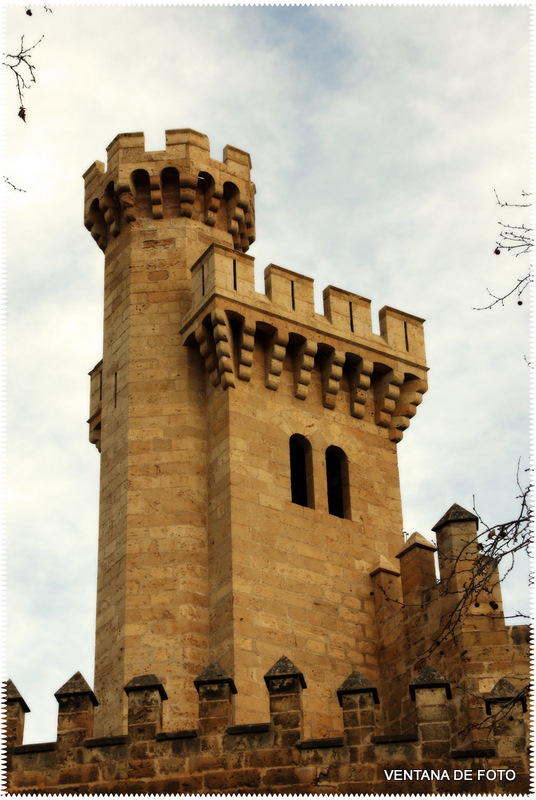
(403, 332)
(236, 160)
(218, 273)
(180, 141)
(16, 709)
(289, 290)
(218, 276)
(348, 312)
(125, 148)
(222, 271)
(181, 182)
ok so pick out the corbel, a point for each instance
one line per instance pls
(156, 197)
(126, 202)
(275, 353)
(359, 386)
(187, 188)
(245, 350)
(331, 376)
(406, 407)
(304, 361)
(204, 339)
(223, 340)
(386, 394)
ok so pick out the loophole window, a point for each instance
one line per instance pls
(337, 482)
(301, 471)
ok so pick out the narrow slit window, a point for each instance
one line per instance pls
(406, 334)
(234, 274)
(292, 295)
(351, 316)
(337, 482)
(301, 473)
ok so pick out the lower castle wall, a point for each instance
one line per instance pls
(270, 757)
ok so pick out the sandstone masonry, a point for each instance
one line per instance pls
(261, 624)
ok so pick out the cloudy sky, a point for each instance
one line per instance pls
(377, 136)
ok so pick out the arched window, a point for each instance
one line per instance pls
(301, 471)
(338, 483)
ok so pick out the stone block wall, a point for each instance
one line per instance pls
(270, 756)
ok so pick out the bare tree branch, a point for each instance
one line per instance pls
(517, 240)
(9, 183)
(23, 71)
(521, 285)
(503, 711)
(496, 545)
(503, 204)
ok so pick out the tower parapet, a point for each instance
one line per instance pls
(385, 373)
(180, 181)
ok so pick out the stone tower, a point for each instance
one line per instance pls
(249, 479)
(262, 626)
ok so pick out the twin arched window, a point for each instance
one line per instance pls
(301, 476)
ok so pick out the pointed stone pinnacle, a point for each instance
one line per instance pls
(12, 695)
(214, 673)
(502, 692)
(356, 683)
(76, 685)
(455, 514)
(417, 540)
(384, 565)
(146, 682)
(429, 678)
(284, 668)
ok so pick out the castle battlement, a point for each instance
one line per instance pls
(180, 181)
(221, 272)
(385, 371)
(265, 757)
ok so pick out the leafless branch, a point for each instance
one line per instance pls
(473, 574)
(496, 545)
(9, 183)
(514, 205)
(23, 71)
(517, 240)
(29, 11)
(521, 285)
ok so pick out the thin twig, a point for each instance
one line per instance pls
(23, 70)
(9, 183)
(521, 285)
